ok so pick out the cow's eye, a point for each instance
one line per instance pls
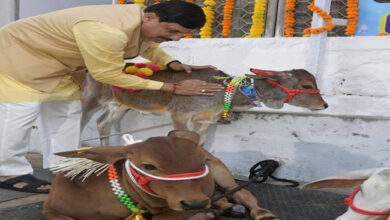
(147, 166)
(307, 86)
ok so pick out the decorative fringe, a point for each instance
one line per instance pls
(82, 167)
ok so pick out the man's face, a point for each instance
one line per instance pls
(156, 31)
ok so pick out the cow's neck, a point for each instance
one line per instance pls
(153, 204)
(243, 102)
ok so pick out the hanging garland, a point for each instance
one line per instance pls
(140, 2)
(227, 18)
(157, 1)
(324, 15)
(257, 28)
(206, 30)
(289, 18)
(122, 2)
(352, 17)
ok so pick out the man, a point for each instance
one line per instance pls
(42, 57)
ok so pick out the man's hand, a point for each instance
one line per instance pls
(193, 87)
(177, 66)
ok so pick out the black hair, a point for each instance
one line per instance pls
(186, 14)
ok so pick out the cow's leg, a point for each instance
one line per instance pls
(186, 215)
(225, 179)
(111, 112)
(181, 120)
(201, 129)
(53, 215)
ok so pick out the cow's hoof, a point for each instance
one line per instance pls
(236, 211)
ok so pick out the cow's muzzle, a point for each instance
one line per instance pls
(189, 205)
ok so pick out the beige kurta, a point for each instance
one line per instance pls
(98, 41)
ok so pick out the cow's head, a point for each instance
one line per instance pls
(172, 168)
(274, 86)
(371, 201)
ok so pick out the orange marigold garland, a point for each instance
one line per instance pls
(157, 1)
(324, 15)
(352, 17)
(122, 2)
(289, 18)
(227, 18)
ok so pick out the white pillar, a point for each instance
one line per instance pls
(9, 11)
(317, 41)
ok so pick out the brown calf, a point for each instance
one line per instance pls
(196, 113)
(168, 198)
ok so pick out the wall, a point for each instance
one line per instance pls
(7, 12)
(351, 134)
(29, 8)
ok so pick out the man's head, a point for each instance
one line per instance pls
(169, 20)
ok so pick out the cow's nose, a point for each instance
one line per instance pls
(326, 105)
(187, 205)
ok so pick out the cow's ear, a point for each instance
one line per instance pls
(189, 135)
(345, 180)
(109, 154)
(333, 183)
(262, 74)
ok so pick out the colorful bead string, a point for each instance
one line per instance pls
(113, 178)
(229, 92)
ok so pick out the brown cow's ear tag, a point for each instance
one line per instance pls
(189, 135)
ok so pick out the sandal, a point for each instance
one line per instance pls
(32, 184)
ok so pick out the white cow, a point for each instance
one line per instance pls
(369, 201)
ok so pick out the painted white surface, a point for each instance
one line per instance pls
(351, 134)
(6, 12)
(29, 7)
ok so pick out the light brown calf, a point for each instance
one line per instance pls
(179, 153)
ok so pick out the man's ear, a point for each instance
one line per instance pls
(109, 154)
(149, 16)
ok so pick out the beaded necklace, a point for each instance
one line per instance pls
(122, 196)
(229, 92)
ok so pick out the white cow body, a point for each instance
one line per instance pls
(373, 197)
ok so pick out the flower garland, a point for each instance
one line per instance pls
(140, 2)
(227, 18)
(289, 18)
(352, 17)
(257, 28)
(142, 70)
(206, 30)
(188, 35)
(157, 1)
(122, 2)
(324, 15)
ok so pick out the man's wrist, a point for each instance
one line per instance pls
(168, 87)
(173, 61)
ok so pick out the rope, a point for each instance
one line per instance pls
(265, 171)
(130, 131)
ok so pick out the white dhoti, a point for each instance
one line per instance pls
(58, 125)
